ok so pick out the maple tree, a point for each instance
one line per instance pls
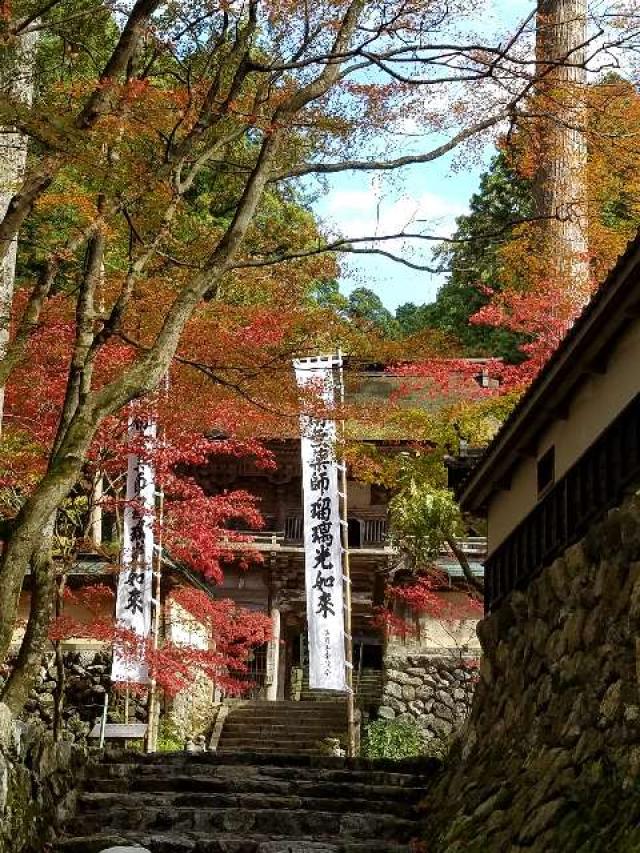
(176, 665)
(170, 150)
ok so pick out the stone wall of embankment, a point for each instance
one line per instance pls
(549, 759)
(433, 690)
(38, 784)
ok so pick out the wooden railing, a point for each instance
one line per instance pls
(374, 530)
(594, 484)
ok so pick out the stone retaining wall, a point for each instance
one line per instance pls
(550, 758)
(87, 680)
(435, 690)
(38, 783)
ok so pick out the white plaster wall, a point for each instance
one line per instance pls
(454, 629)
(595, 404)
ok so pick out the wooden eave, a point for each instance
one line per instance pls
(585, 350)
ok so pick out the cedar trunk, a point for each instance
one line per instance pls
(561, 180)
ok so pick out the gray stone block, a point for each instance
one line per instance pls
(393, 690)
(297, 847)
(127, 849)
(386, 713)
(408, 692)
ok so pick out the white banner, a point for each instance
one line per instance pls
(135, 582)
(322, 543)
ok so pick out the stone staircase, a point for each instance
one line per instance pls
(208, 803)
(367, 684)
(282, 728)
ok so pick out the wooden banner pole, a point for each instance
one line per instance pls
(152, 714)
(346, 574)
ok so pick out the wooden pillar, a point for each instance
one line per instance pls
(273, 655)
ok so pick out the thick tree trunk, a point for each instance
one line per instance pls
(35, 639)
(561, 181)
(17, 65)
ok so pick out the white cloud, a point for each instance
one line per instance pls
(367, 213)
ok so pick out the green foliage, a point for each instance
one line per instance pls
(423, 518)
(413, 318)
(169, 737)
(504, 197)
(326, 294)
(393, 739)
(474, 263)
(366, 306)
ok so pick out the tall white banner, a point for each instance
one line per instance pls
(322, 542)
(135, 582)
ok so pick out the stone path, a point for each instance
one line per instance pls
(178, 803)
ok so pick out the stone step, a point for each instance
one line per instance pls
(318, 713)
(249, 803)
(303, 768)
(181, 783)
(268, 730)
(263, 735)
(302, 739)
(285, 750)
(302, 706)
(224, 843)
(282, 727)
(292, 723)
(279, 746)
(91, 802)
(282, 722)
(292, 823)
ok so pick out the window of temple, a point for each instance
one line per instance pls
(109, 526)
(294, 528)
(546, 471)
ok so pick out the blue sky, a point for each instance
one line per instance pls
(357, 203)
(438, 194)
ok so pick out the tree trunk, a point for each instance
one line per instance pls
(17, 64)
(476, 586)
(561, 180)
(58, 706)
(29, 661)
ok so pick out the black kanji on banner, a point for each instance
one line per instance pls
(323, 549)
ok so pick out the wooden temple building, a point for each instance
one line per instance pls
(278, 587)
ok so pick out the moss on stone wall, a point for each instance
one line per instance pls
(38, 783)
(550, 757)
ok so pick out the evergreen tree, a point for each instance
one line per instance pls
(366, 307)
(475, 264)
